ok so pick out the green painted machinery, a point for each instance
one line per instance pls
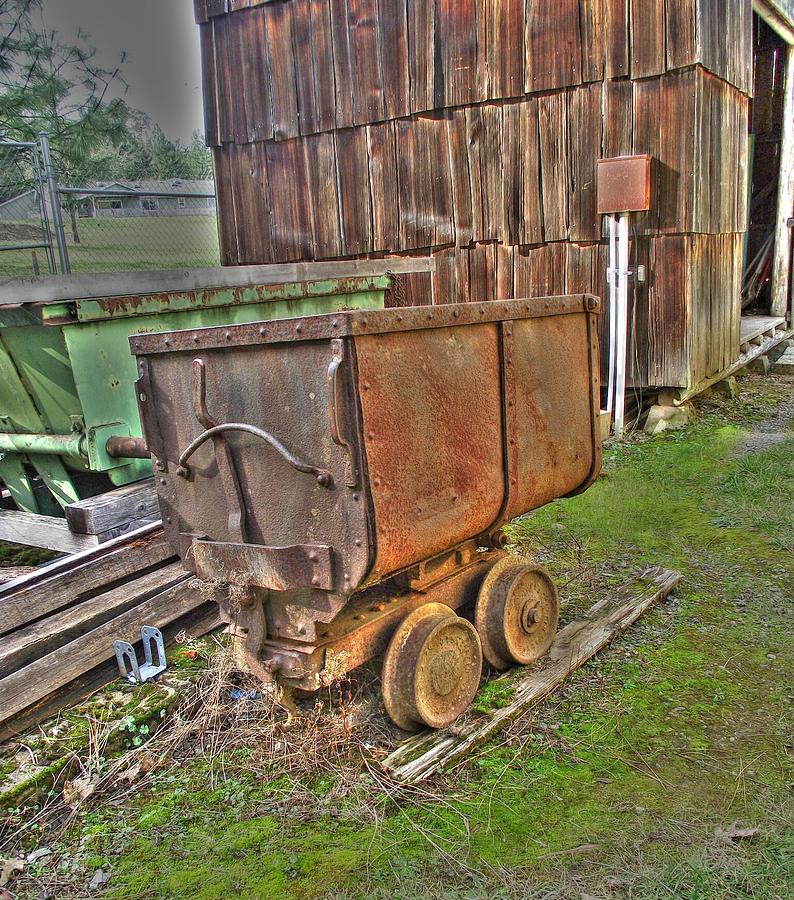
(69, 425)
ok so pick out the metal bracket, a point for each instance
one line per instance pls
(127, 658)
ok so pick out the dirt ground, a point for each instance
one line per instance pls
(661, 769)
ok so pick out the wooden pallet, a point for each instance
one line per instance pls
(59, 623)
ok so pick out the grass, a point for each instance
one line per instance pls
(625, 783)
(146, 242)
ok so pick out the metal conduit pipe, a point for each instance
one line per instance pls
(61, 444)
(118, 446)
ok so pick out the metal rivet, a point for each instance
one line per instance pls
(376, 482)
(261, 330)
(163, 481)
(195, 339)
(355, 496)
(299, 328)
(228, 335)
(313, 557)
(358, 542)
(167, 342)
(315, 581)
(366, 385)
(370, 434)
(168, 520)
(456, 313)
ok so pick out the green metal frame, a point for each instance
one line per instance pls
(66, 370)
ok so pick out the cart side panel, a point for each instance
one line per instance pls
(432, 423)
(558, 449)
(281, 389)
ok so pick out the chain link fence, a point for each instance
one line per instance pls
(101, 227)
(26, 245)
(140, 225)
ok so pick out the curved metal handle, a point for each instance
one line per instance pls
(337, 348)
(323, 476)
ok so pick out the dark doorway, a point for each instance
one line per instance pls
(766, 121)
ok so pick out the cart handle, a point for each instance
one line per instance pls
(323, 476)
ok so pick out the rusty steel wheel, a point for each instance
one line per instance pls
(517, 613)
(432, 668)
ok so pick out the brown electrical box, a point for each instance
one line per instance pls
(624, 184)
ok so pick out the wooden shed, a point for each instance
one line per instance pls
(469, 130)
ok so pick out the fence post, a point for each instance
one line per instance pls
(55, 204)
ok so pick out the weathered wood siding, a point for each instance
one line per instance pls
(469, 130)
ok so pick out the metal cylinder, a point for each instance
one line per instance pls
(127, 447)
(60, 444)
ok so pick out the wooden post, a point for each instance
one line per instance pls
(781, 271)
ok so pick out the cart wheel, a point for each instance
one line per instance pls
(517, 613)
(432, 668)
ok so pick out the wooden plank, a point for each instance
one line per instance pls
(320, 167)
(12, 573)
(522, 184)
(343, 66)
(305, 83)
(553, 129)
(504, 272)
(322, 56)
(617, 38)
(196, 623)
(593, 23)
(291, 216)
(256, 77)
(421, 46)
(279, 39)
(227, 229)
(647, 124)
(647, 24)
(252, 201)
(553, 45)
(618, 118)
(352, 176)
(382, 152)
(683, 33)
(209, 84)
(393, 42)
(430, 752)
(24, 645)
(584, 116)
(63, 582)
(505, 53)
(425, 183)
(367, 84)
(124, 504)
(461, 176)
(34, 530)
(484, 138)
(455, 73)
(35, 681)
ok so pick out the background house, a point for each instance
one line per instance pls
(173, 197)
(470, 131)
(23, 207)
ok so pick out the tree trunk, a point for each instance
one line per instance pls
(73, 218)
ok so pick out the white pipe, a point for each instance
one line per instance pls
(613, 289)
(621, 337)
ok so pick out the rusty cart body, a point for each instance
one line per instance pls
(341, 481)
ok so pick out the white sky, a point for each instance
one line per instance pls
(161, 41)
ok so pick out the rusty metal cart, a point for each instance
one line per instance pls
(341, 482)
